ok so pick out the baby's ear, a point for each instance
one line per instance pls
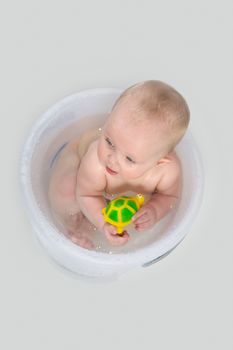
(164, 160)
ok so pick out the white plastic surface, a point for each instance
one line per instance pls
(72, 257)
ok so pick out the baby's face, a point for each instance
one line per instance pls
(129, 148)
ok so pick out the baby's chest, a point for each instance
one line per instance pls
(145, 185)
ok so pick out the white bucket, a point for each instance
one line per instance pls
(36, 156)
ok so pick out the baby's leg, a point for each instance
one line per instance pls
(62, 196)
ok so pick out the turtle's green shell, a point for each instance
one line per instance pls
(121, 210)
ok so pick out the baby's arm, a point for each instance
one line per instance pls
(163, 200)
(91, 182)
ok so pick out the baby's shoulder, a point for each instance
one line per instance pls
(90, 170)
(91, 154)
(171, 173)
(87, 138)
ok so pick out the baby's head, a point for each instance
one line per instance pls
(145, 124)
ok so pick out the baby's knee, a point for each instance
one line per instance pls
(66, 186)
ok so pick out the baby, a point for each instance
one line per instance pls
(133, 151)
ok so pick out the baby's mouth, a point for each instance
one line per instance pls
(110, 171)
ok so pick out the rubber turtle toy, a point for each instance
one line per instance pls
(119, 211)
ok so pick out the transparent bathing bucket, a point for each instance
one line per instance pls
(51, 131)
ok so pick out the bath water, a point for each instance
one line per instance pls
(41, 167)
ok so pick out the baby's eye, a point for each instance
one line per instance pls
(130, 160)
(109, 142)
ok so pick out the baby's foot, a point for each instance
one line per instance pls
(78, 230)
(80, 240)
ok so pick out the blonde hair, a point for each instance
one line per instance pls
(156, 100)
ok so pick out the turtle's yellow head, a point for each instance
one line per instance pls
(140, 199)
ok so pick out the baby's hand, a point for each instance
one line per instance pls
(145, 218)
(114, 238)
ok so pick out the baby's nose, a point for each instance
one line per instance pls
(112, 160)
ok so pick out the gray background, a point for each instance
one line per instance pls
(50, 49)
